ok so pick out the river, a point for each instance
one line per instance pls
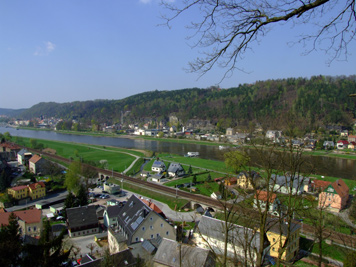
(328, 166)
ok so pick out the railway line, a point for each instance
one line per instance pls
(339, 238)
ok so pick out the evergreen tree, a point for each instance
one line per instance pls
(190, 170)
(208, 179)
(82, 197)
(49, 252)
(194, 179)
(10, 243)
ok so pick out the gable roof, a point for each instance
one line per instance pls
(18, 188)
(9, 145)
(278, 227)
(113, 211)
(262, 195)
(123, 258)
(33, 186)
(174, 167)
(153, 206)
(297, 181)
(28, 216)
(158, 164)
(320, 184)
(81, 216)
(22, 152)
(215, 229)
(344, 142)
(168, 254)
(132, 214)
(340, 187)
(35, 158)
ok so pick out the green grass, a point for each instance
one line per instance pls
(117, 158)
(136, 167)
(172, 202)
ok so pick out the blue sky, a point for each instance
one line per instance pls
(77, 50)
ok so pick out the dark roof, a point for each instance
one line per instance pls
(158, 164)
(123, 258)
(215, 229)
(174, 167)
(81, 216)
(340, 187)
(278, 227)
(132, 214)
(297, 181)
(169, 252)
(113, 211)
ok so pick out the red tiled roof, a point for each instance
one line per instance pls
(340, 187)
(18, 188)
(33, 186)
(29, 216)
(343, 142)
(152, 206)
(10, 145)
(35, 158)
(262, 195)
(319, 184)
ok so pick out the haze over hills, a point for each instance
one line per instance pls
(310, 102)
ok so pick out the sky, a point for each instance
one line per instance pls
(77, 50)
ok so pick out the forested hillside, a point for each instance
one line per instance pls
(315, 101)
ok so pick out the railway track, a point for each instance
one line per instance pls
(341, 239)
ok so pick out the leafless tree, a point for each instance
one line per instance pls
(226, 29)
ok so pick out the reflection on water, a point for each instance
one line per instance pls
(344, 168)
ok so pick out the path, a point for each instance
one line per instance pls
(122, 152)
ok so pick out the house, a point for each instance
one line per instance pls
(175, 170)
(82, 221)
(294, 184)
(230, 181)
(23, 157)
(242, 244)
(36, 164)
(158, 166)
(112, 188)
(328, 145)
(281, 235)
(37, 190)
(172, 253)
(351, 138)
(34, 191)
(352, 145)
(319, 185)
(138, 221)
(249, 180)
(116, 240)
(341, 144)
(272, 134)
(30, 221)
(158, 177)
(334, 196)
(344, 133)
(264, 199)
(297, 143)
(110, 215)
(230, 131)
(9, 147)
(216, 195)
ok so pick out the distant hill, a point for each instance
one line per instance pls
(11, 112)
(274, 103)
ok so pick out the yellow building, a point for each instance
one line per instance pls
(37, 190)
(18, 192)
(34, 191)
(279, 239)
(248, 180)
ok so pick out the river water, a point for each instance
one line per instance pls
(336, 167)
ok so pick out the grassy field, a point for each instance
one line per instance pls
(117, 159)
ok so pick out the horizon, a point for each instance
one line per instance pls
(61, 52)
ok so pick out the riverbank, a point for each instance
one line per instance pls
(351, 155)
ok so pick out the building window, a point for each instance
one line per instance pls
(143, 228)
(136, 239)
(34, 228)
(161, 224)
(151, 236)
(151, 218)
(151, 227)
(157, 235)
(29, 229)
(167, 233)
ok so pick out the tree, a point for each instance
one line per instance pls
(227, 29)
(72, 179)
(194, 181)
(208, 179)
(235, 160)
(190, 170)
(49, 251)
(82, 196)
(7, 136)
(10, 243)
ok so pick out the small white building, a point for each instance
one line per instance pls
(158, 166)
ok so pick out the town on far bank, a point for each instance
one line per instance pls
(265, 216)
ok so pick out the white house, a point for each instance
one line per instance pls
(158, 166)
(261, 198)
